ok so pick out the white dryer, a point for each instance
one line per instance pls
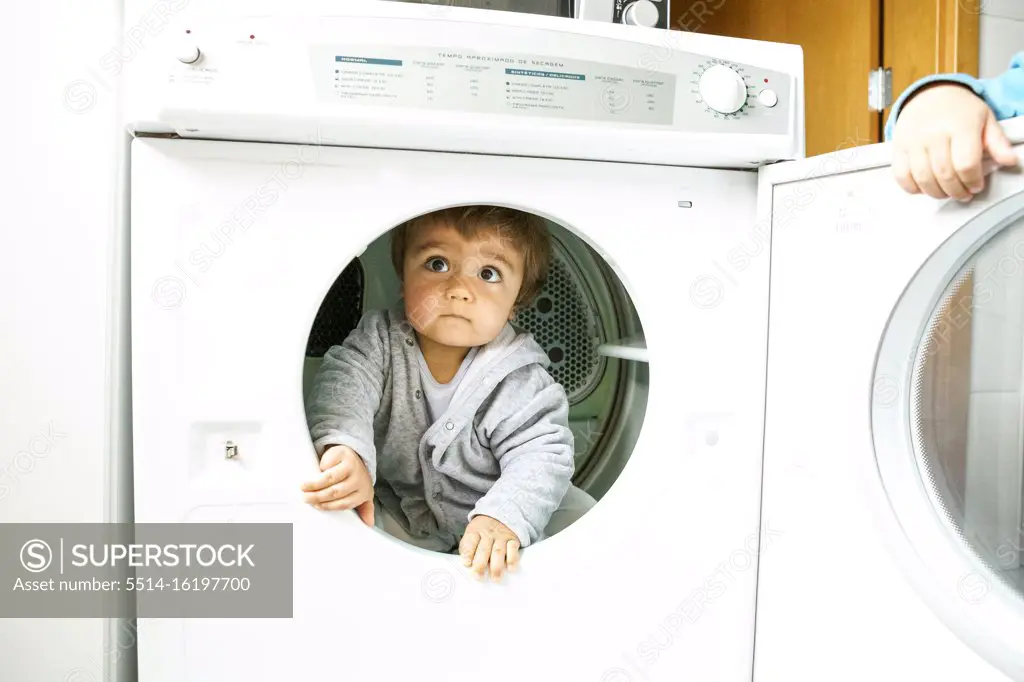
(894, 434)
(273, 152)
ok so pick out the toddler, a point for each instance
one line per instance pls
(942, 124)
(437, 420)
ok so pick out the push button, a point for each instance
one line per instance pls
(418, 394)
(768, 98)
(449, 425)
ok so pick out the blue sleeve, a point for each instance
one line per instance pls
(1004, 94)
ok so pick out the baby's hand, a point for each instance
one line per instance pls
(939, 139)
(344, 484)
(489, 542)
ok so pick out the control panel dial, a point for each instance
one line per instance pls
(723, 89)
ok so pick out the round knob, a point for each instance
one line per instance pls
(189, 54)
(768, 98)
(641, 13)
(723, 89)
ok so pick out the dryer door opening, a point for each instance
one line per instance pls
(578, 317)
(250, 260)
(583, 318)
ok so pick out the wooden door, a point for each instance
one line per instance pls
(843, 42)
(922, 37)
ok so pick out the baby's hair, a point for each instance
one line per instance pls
(524, 231)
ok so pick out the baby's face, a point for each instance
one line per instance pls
(458, 291)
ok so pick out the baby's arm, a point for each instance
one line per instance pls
(1004, 94)
(347, 391)
(527, 426)
(942, 125)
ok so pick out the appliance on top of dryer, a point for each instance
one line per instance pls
(276, 148)
(645, 13)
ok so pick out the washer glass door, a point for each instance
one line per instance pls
(948, 427)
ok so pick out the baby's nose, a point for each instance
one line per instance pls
(458, 292)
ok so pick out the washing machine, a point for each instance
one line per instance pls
(894, 448)
(273, 150)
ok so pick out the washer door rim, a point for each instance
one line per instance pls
(935, 561)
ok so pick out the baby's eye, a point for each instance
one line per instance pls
(437, 265)
(490, 274)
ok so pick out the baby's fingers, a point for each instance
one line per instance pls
(921, 169)
(945, 174)
(335, 492)
(512, 555)
(901, 170)
(483, 553)
(965, 152)
(348, 502)
(997, 144)
(467, 548)
(325, 480)
(498, 560)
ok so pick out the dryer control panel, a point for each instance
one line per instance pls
(723, 95)
(419, 76)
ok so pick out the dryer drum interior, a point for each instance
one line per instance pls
(581, 307)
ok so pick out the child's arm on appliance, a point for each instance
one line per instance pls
(527, 428)
(942, 124)
(345, 396)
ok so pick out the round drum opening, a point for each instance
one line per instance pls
(967, 404)
(461, 363)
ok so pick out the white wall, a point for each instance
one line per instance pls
(57, 184)
(1001, 35)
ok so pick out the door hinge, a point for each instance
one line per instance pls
(880, 89)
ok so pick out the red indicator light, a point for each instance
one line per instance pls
(188, 30)
(252, 37)
(765, 80)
